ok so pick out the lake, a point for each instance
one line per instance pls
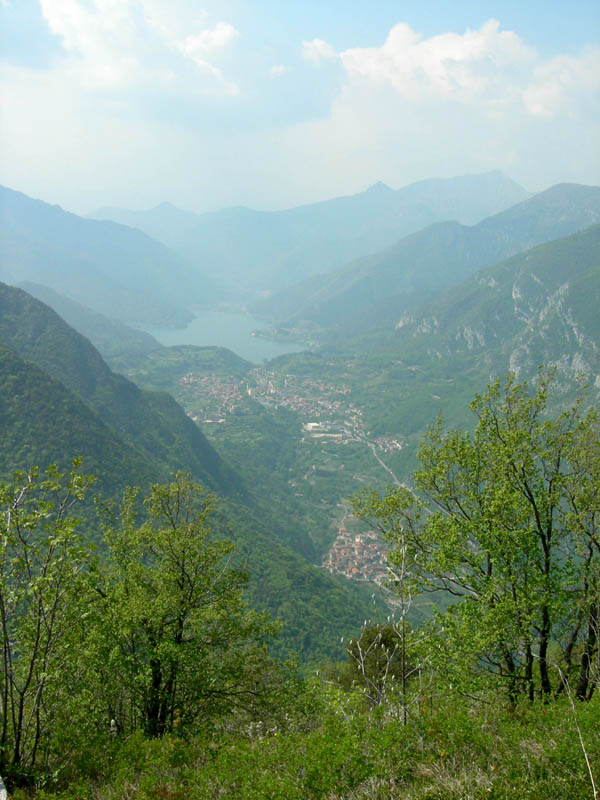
(225, 329)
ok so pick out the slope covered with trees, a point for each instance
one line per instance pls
(113, 269)
(153, 678)
(64, 402)
(151, 422)
(118, 344)
(150, 671)
(375, 291)
(45, 423)
(535, 308)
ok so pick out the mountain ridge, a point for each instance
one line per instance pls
(257, 251)
(44, 423)
(112, 268)
(152, 422)
(428, 261)
(529, 307)
(118, 344)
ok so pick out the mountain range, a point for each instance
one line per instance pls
(538, 307)
(150, 422)
(255, 252)
(408, 331)
(376, 289)
(119, 345)
(116, 270)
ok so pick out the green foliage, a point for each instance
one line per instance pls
(129, 435)
(149, 422)
(43, 422)
(44, 591)
(455, 750)
(160, 641)
(314, 608)
(276, 527)
(118, 344)
(374, 659)
(177, 641)
(163, 367)
(506, 524)
(156, 638)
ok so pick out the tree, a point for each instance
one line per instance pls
(179, 643)
(505, 523)
(583, 508)
(382, 663)
(43, 593)
(387, 658)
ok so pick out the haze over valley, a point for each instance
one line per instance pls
(380, 341)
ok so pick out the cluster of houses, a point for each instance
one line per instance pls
(219, 397)
(358, 556)
(387, 444)
(333, 417)
(309, 396)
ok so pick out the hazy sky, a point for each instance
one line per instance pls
(275, 103)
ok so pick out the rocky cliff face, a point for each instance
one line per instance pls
(538, 308)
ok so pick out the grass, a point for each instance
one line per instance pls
(458, 751)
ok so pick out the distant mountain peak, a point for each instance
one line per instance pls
(378, 188)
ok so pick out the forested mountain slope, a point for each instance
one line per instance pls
(117, 343)
(539, 308)
(113, 269)
(42, 423)
(152, 422)
(256, 251)
(60, 400)
(377, 289)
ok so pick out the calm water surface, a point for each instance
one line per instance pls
(225, 329)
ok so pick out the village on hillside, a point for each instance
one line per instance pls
(358, 556)
(327, 416)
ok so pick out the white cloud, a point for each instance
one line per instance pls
(175, 19)
(450, 66)
(317, 51)
(112, 44)
(126, 115)
(100, 37)
(556, 83)
(490, 68)
(198, 46)
(456, 103)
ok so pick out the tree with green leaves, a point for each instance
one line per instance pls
(382, 664)
(44, 590)
(503, 521)
(178, 643)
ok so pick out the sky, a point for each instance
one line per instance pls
(276, 103)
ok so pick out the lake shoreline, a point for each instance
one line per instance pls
(236, 330)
